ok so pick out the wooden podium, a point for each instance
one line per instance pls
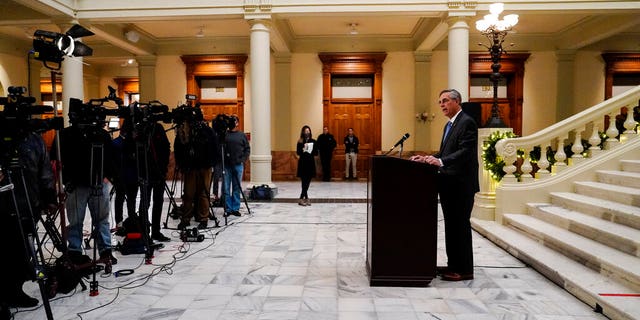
(402, 217)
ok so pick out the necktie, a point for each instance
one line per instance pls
(447, 128)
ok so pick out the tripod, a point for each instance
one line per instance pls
(30, 239)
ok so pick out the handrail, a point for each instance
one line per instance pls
(556, 135)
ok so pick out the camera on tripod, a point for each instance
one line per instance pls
(18, 112)
(223, 123)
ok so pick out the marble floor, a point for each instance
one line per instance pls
(284, 261)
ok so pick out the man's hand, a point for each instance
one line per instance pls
(427, 159)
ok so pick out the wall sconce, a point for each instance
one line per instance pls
(425, 116)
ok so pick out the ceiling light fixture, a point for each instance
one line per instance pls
(200, 33)
(132, 36)
(353, 29)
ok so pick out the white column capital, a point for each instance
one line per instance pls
(565, 55)
(422, 56)
(147, 61)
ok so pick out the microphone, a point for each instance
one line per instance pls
(401, 141)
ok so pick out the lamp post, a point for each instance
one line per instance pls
(496, 30)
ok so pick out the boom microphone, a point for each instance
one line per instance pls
(402, 140)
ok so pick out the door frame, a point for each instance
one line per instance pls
(355, 64)
(513, 70)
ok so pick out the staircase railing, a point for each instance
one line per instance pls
(575, 130)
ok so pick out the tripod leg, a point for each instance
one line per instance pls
(242, 193)
(171, 192)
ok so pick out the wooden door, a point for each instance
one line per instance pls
(363, 114)
(201, 68)
(358, 116)
(513, 71)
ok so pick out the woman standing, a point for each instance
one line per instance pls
(306, 150)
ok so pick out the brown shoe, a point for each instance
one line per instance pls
(301, 202)
(307, 202)
(453, 276)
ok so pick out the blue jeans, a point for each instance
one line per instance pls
(232, 176)
(76, 205)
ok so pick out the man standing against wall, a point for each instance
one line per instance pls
(326, 145)
(351, 155)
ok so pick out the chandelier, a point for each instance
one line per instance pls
(495, 29)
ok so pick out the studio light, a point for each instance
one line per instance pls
(53, 47)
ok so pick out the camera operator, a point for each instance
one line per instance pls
(194, 149)
(125, 185)
(88, 165)
(236, 153)
(157, 156)
(33, 161)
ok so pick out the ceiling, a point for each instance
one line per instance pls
(338, 31)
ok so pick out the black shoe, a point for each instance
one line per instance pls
(106, 255)
(22, 300)
(183, 225)
(235, 213)
(202, 225)
(160, 237)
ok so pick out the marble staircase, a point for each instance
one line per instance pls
(587, 240)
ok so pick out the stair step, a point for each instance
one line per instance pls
(608, 261)
(614, 235)
(604, 209)
(621, 178)
(630, 165)
(624, 195)
(586, 284)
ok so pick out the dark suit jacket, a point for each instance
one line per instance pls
(459, 153)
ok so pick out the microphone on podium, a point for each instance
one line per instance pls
(401, 141)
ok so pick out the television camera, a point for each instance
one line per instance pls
(16, 117)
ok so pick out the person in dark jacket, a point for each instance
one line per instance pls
(34, 167)
(87, 167)
(457, 163)
(125, 186)
(194, 150)
(326, 144)
(237, 151)
(153, 170)
(351, 144)
(306, 149)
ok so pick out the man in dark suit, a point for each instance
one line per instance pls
(457, 184)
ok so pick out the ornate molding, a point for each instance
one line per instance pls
(460, 4)
(257, 9)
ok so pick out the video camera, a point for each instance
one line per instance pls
(18, 111)
(223, 123)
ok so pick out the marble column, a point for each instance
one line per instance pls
(260, 103)
(72, 84)
(423, 100)
(147, 77)
(565, 74)
(459, 55)
(282, 99)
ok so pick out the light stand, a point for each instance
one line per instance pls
(496, 30)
